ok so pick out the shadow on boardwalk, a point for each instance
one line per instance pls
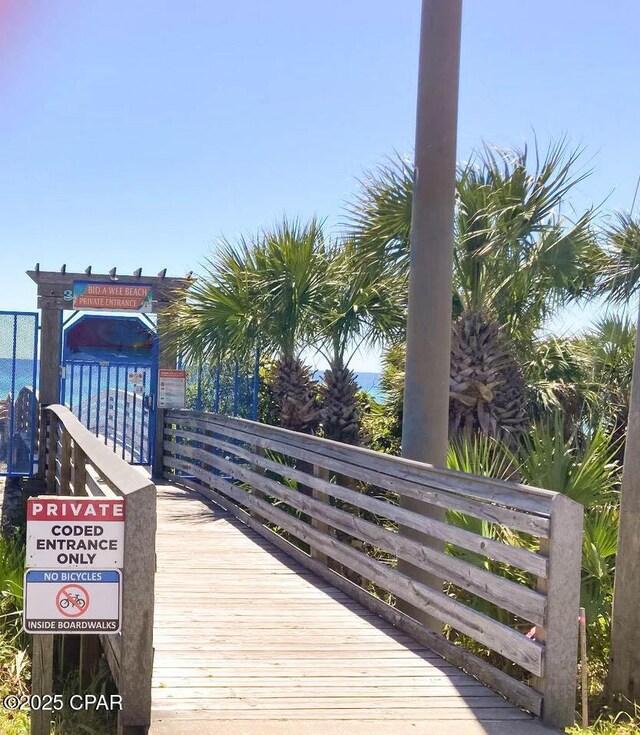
(248, 641)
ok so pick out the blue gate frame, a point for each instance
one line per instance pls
(18, 395)
(116, 400)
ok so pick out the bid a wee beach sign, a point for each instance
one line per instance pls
(98, 295)
(75, 554)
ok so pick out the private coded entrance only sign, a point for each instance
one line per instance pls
(75, 532)
(75, 551)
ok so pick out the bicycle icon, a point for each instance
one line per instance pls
(75, 600)
(72, 600)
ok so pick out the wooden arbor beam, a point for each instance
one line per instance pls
(55, 289)
(53, 284)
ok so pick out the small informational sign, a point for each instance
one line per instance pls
(72, 601)
(172, 388)
(75, 532)
(104, 296)
(136, 378)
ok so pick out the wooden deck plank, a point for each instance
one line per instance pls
(244, 633)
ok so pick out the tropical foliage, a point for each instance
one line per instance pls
(282, 291)
(15, 665)
(546, 409)
(517, 258)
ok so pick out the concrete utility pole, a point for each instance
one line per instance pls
(426, 392)
(624, 673)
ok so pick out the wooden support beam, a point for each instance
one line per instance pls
(136, 658)
(167, 358)
(79, 470)
(41, 681)
(49, 380)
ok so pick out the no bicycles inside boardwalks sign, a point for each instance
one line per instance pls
(75, 553)
(67, 601)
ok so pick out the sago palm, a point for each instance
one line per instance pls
(516, 259)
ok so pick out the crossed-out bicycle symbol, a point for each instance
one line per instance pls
(72, 600)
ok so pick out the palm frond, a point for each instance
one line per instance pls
(620, 272)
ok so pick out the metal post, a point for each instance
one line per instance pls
(426, 395)
(216, 403)
(167, 358)
(236, 378)
(256, 386)
(199, 391)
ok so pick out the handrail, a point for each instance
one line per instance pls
(73, 455)
(242, 465)
(121, 476)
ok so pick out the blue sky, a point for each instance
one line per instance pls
(134, 133)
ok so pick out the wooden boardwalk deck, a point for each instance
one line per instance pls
(246, 640)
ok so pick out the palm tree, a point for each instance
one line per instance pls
(262, 292)
(621, 282)
(517, 258)
(555, 373)
(607, 352)
(364, 305)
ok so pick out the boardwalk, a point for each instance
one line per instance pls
(248, 641)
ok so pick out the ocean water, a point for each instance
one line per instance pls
(368, 382)
(23, 376)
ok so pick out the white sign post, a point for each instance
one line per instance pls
(172, 388)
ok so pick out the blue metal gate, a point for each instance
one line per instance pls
(18, 397)
(113, 392)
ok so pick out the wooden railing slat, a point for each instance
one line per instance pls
(535, 500)
(517, 520)
(508, 595)
(521, 558)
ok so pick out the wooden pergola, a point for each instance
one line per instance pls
(56, 295)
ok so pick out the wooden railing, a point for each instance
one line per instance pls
(79, 464)
(334, 508)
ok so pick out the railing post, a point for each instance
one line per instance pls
(79, 470)
(41, 681)
(51, 424)
(65, 462)
(316, 522)
(136, 664)
(259, 451)
(560, 634)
